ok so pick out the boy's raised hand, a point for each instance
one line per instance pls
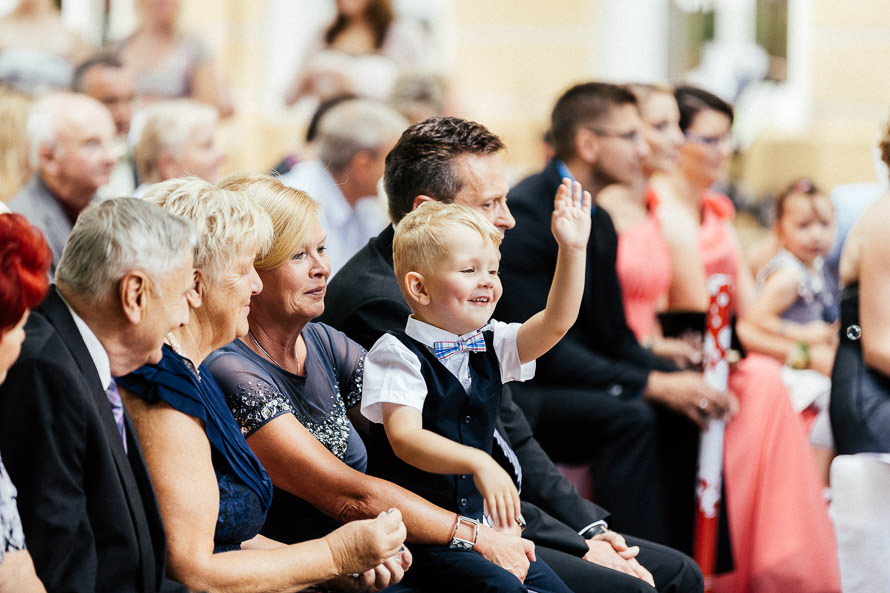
(498, 492)
(570, 223)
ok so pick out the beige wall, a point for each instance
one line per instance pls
(510, 59)
(849, 52)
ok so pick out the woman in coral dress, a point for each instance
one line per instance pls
(782, 539)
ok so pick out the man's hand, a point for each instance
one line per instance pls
(610, 550)
(687, 393)
(510, 552)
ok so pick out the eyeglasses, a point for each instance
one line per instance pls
(632, 136)
(709, 141)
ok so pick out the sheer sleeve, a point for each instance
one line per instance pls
(348, 358)
(250, 392)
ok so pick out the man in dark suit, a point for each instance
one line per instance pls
(607, 378)
(85, 497)
(452, 160)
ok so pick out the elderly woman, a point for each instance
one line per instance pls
(212, 491)
(290, 382)
(177, 138)
(24, 261)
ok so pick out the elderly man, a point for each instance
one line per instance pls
(85, 498)
(351, 145)
(70, 140)
(452, 160)
(104, 78)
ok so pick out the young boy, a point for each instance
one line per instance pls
(436, 387)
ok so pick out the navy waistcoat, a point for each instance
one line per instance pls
(448, 410)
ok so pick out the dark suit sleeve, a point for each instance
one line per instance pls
(43, 442)
(542, 482)
(372, 318)
(600, 351)
(546, 530)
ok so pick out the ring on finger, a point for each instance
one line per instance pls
(704, 403)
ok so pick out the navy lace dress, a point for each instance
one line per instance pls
(245, 490)
(259, 391)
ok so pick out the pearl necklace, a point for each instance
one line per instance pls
(178, 350)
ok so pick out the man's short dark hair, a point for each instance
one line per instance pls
(693, 100)
(583, 105)
(422, 161)
(102, 59)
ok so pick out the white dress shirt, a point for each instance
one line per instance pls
(393, 375)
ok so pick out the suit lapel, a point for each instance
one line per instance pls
(138, 492)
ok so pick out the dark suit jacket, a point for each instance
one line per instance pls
(88, 509)
(363, 301)
(600, 351)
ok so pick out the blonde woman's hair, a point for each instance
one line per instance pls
(421, 237)
(292, 212)
(228, 224)
(15, 167)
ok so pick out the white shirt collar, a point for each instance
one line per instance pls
(94, 346)
(427, 334)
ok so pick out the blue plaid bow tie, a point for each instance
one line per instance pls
(445, 348)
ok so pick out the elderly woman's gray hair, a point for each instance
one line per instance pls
(166, 128)
(229, 225)
(114, 237)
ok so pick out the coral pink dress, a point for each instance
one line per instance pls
(644, 270)
(782, 538)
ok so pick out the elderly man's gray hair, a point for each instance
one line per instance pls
(114, 237)
(45, 117)
(353, 126)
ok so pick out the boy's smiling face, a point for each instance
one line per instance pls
(460, 294)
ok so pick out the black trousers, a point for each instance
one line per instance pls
(672, 571)
(441, 569)
(617, 439)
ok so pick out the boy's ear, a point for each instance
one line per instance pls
(416, 289)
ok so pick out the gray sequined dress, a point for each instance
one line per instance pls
(258, 391)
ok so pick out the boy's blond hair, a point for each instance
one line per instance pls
(421, 238)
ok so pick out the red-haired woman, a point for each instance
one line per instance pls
(24, 260)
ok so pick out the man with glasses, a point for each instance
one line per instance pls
(608, 402)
